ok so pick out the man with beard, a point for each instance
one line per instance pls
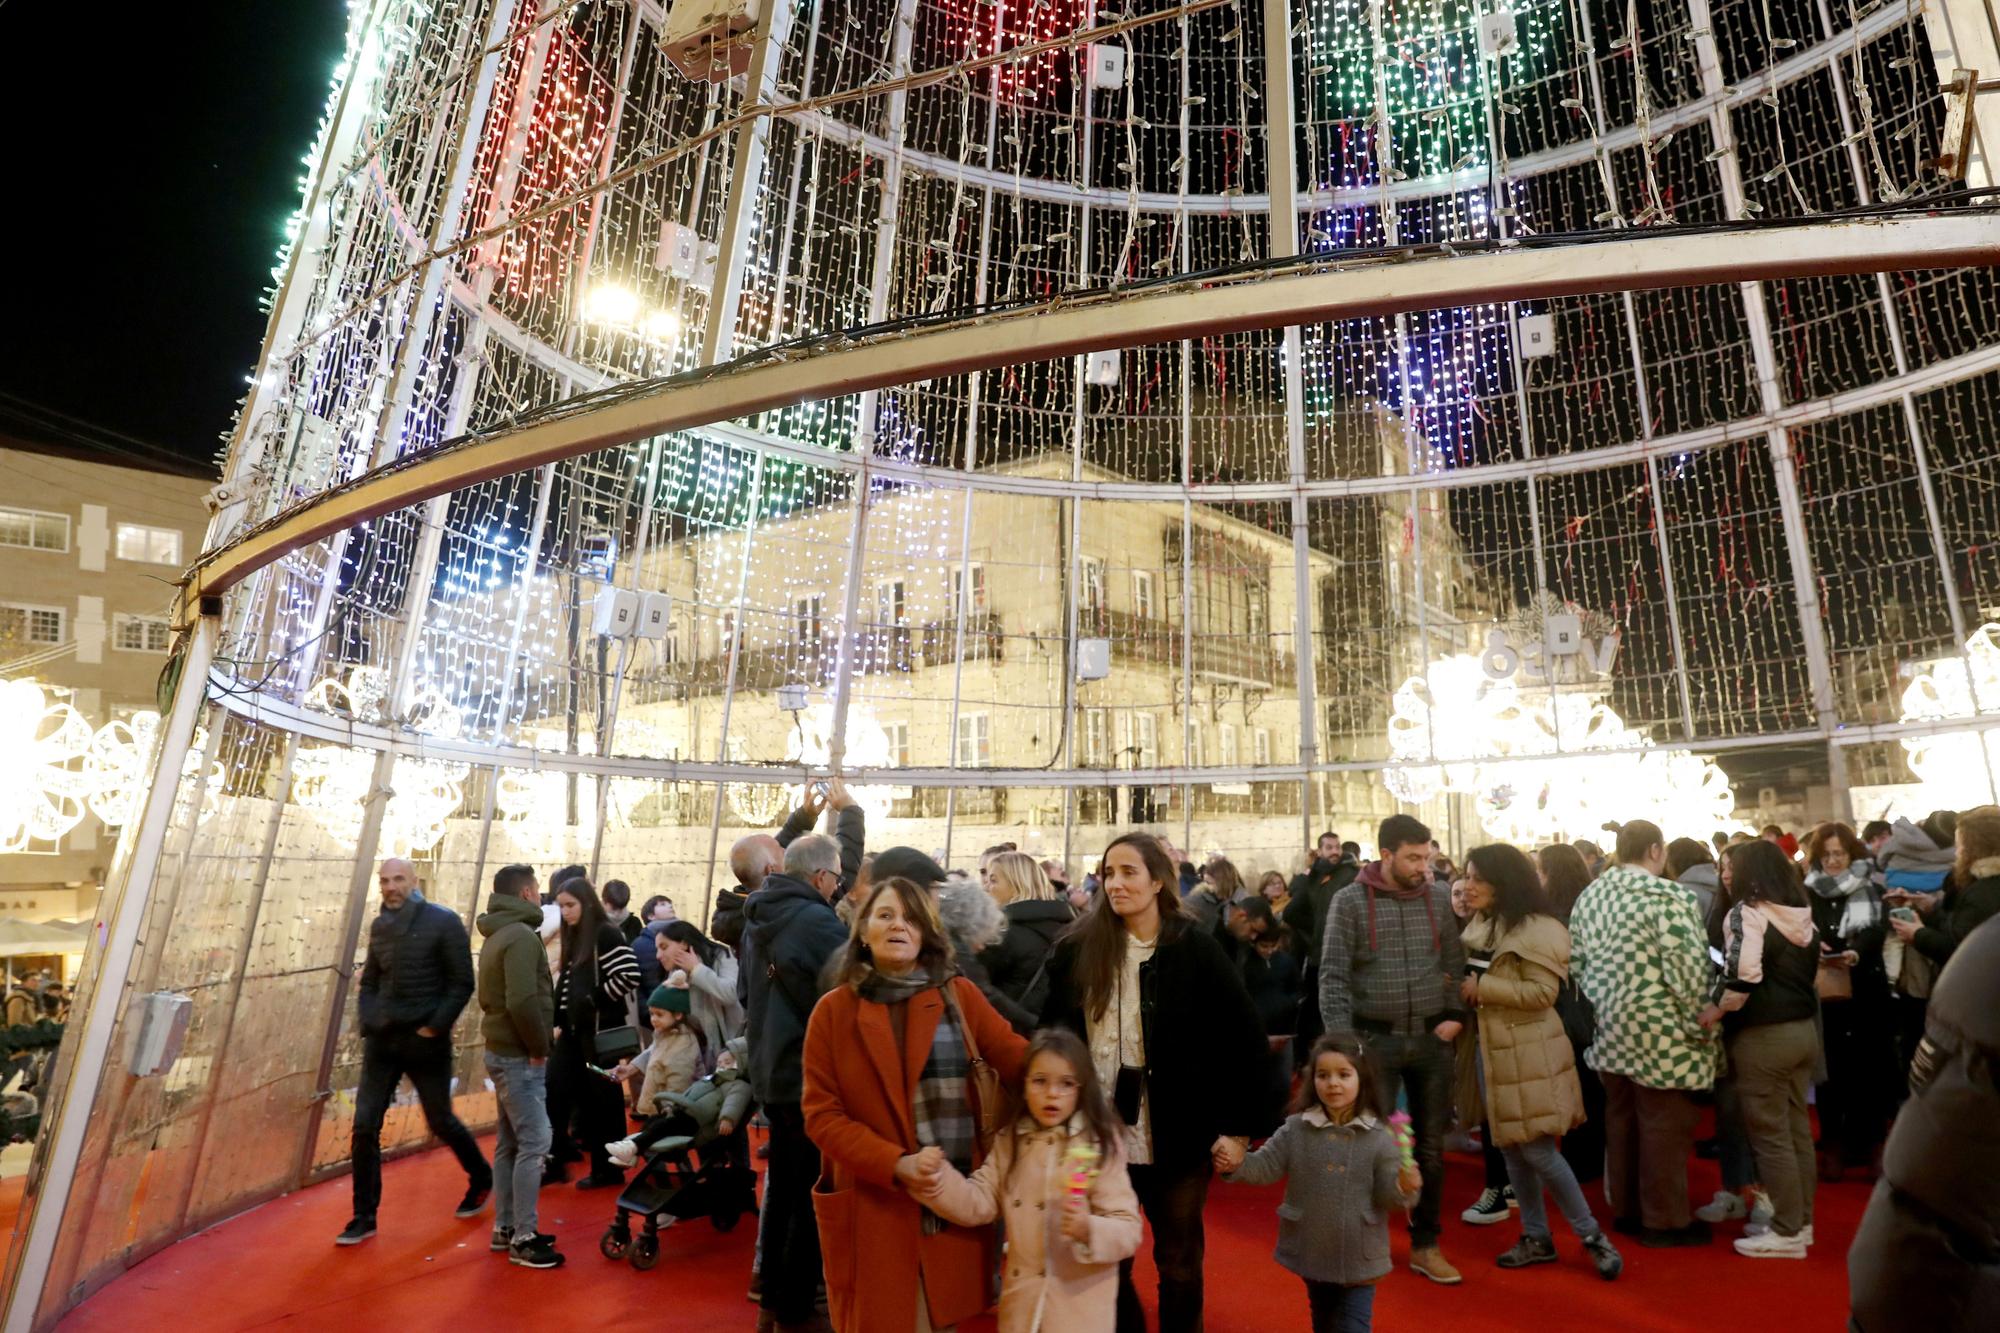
(1389, 969)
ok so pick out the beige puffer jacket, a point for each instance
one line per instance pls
(1531, 1086)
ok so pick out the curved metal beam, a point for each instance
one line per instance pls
(1310, 293)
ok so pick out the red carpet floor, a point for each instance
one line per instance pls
(276, 1267)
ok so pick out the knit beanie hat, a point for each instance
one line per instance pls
(673, 999)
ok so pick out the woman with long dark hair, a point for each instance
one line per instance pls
(889, 1098)
(711, 974)
(1520, 959)
(1846, 902)
(1174, 1035)
(1766, 1003)
(595, 977)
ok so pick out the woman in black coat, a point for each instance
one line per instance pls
(1037, 912)
(597, 976)
(1173, 1034)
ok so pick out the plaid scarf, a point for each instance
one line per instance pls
(942, 1107)
(1854, 887)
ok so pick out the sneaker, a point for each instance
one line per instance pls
(537, 1251)
(1528, 1250)
(474, 1201)
(1667, 1238)
(1605, 1255)
(503, 1237)
(358, 1230)
(1490, 1207)
(1431, 1262)
(1761, 1213)
(1723, 1208)
(1766, 1227)
(1771, 1245)
(624, 1153)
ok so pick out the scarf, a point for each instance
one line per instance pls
(942, 1106)
(1375, 879)
(1863, 910)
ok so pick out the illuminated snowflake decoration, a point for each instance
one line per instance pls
(1542, 765)
(332, 781)
(43, 787)
(1950, 764)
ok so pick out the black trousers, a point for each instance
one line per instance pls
(1858, 1098)
(791, 1262)
(1172, 1198)
(1583, 1147)
(586, 1110)
(386, 1057)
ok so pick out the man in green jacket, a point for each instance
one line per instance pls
(518, 999)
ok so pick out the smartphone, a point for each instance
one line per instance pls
(602, 1073)
(1715, 956)
(1903, 914)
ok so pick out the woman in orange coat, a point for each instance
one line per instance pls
(888, 1100)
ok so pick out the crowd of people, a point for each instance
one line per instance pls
(941, 1059)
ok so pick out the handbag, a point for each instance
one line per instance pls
(614, 1045)
(989, 1101)
(1833, 982)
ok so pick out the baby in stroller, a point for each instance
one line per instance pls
(694, 1161)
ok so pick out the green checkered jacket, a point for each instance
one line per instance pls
(1640, 955)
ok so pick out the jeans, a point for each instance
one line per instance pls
(1421, 1064)
(520, 1093)
(1649, 1135)
(385, 1058)
(1338, 1309)
(1538, 1165)
(1172, 1198)
(1739, 1164)
(1773, 1064)
(791, 1264)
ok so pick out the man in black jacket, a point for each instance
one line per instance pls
(417, 979)
(1333, 868)
(790, 931)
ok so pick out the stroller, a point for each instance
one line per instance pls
(688, 1170)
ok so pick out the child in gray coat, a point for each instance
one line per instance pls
(1343, 1174)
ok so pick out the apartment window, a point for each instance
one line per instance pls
(889, 603)
(140, 634)
(1260, 746)
(1146, 739)
(31, 624)
(1229, 757)
(728, 632)
(1143, 602)
(1258, 611)
(808, 618)
(670, 647)
(1096, 737)
(1197, 749)
(1093, 583)
(978, 573)
(34, 529)
(153, 546)
(974, 749)
(899, 743)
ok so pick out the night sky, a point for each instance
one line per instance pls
(152, 156)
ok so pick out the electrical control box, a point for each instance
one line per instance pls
(156, 1029)
(615, 612)
(1093, 659)
(1101, 369)
(1497, 34)
(1537, 335)
(656, 615)
(1105, 64)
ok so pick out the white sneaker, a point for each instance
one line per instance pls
(1771, 1245)
(1761, 1212)
(624, 1152)
(1723, 1207)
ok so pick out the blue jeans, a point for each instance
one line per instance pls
(1338, 1309)
(1538, 1165)
(520, 1090)
(1421, 1065)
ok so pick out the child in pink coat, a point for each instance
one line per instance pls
(1059, 1172)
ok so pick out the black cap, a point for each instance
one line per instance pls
(906, 863)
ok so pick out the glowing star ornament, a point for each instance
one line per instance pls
(43, 787)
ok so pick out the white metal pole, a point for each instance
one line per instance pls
(48, 1197)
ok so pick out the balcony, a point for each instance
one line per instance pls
(1154, 642)
(878, 650)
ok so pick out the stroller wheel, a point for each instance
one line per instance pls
(645, 1252)
(614, 1242)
